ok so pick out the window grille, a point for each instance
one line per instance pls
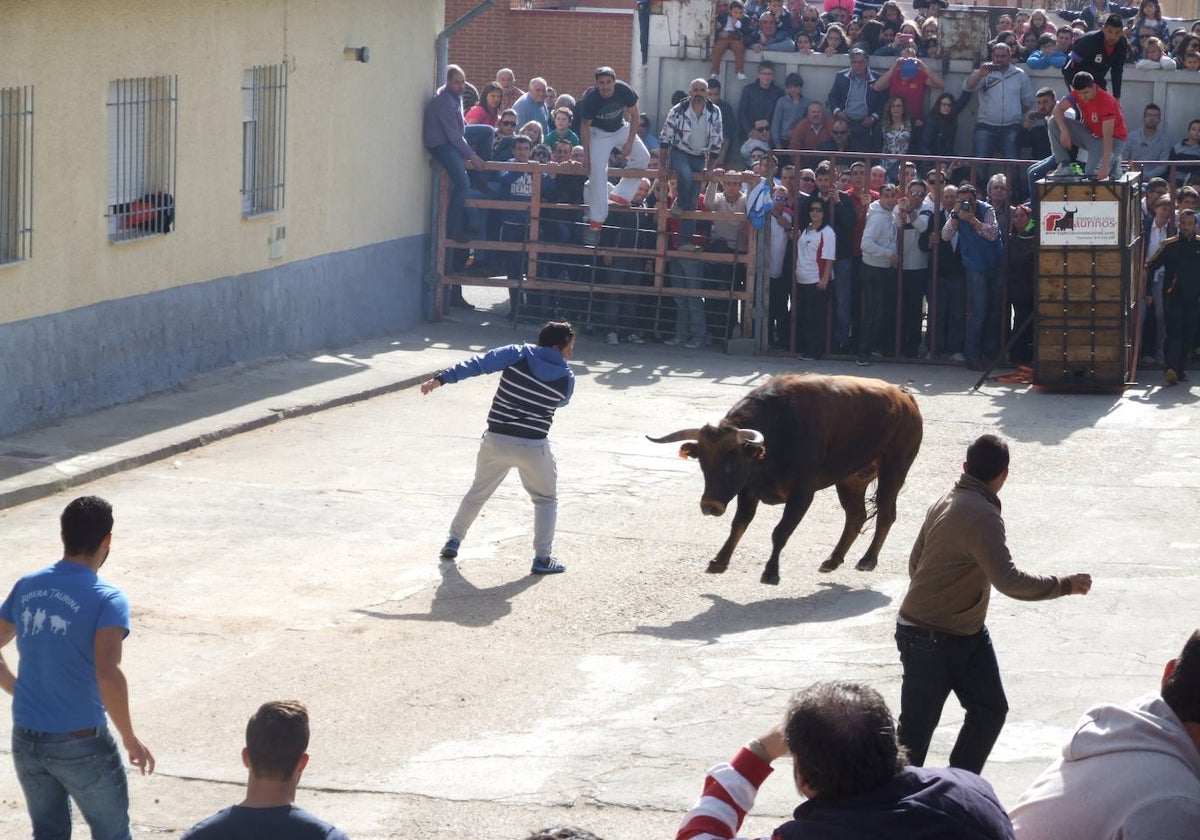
(16, 174)
(142, 135)
(264, 130)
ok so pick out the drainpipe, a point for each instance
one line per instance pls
(443, 60)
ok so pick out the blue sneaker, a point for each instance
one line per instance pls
(450, 549)
(546, 566)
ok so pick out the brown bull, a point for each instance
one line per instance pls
(795, 435)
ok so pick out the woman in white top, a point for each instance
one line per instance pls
(816, 252)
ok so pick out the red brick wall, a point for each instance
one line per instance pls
(565, 47)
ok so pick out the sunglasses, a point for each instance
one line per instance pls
(507, 124)
(840, 133)
(807, 178)
(810, 19)
(762, 128)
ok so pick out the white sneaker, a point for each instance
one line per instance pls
(741, 76)
(694, 344)
(957, 357)
(634, 338)
(673, 341)
(611, 338)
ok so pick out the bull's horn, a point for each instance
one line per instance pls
(750, 436)
(682, 434)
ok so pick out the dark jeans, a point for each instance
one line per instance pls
(916, 285)
(950, 320)
(1181, 318)
(811, 309)
(779, 322)
(936, 664)
(875, 281)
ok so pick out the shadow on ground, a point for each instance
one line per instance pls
(458, 601)
(832, 602)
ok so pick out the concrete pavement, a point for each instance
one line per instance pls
(299, 560)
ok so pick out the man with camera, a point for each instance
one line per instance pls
(974, 223)
(1005, 96)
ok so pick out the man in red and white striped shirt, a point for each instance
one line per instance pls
(850, 768)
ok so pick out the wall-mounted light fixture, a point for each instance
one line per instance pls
(362, 54)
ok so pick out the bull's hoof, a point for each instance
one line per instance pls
(867, 564)
(715, 568)
(771, 578)
(829, 565)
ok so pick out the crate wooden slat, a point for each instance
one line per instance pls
(1083, 332)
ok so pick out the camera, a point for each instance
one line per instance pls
(966, 205)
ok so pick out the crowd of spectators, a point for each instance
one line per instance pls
(955, 232)
(742, 26)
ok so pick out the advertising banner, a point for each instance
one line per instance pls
(1080, 223)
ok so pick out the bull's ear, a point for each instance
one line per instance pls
(756, 453)
(689, 450)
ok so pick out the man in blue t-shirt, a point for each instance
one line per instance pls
(275, 754)
(70, 626)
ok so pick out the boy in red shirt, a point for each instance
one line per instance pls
(1099, 128)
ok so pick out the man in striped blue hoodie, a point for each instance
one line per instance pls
(534, 382)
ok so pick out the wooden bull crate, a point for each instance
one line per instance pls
(1085, 275)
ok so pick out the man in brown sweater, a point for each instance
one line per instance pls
(960, 554)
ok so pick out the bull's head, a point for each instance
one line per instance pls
(727, 456)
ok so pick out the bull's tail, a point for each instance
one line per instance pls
(872, 509)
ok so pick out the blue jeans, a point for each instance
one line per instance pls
(1039, 171)
(686, 167)
(843, 297)
(1002, 137)
(53, 769)
(690, 322)
(456, 171)
(983, 314)
(936, 664)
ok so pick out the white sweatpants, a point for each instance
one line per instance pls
(600, 145)
(535, 464)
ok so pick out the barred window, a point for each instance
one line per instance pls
(16, 174)
(264, 130)
(142, 134)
